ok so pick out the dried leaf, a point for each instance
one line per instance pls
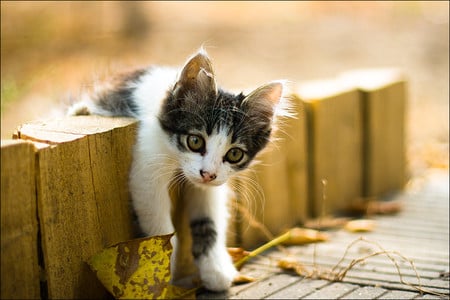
(294, 236)
(300, 236)
(362, 225)
(237, 253)
(291, 264)
(372, 206)
(384, 207)
(138, 269)
(241, 279)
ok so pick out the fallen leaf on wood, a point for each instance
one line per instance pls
(241, 279)
(138, 269)
(300, 236)
(362, 225)
(294, 236)
(376, 207)
(326, 223)
(291, 264)
(237, 253)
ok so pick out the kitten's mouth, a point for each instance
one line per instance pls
(201, 182)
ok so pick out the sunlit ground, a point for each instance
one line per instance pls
(50, 50)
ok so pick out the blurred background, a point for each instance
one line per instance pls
(49, 50)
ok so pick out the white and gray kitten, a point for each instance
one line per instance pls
(192, 130)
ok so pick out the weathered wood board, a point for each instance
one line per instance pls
(82, 196)
(383, 101)
(334, 145)
(275, 190)
(19, 230)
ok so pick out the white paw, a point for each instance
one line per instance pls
(217, 274)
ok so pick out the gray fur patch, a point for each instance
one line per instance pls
(204, 236)
(119, 99)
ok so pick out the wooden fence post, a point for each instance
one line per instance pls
(82, 172)
(334, 145)
(383, 100)
(19, 233)
(276, 191)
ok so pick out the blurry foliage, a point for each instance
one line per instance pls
(9, 92)
(40, 32)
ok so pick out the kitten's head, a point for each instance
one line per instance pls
(216, 133)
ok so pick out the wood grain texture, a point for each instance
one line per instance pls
(83, 199)
(275, 190)
(334, 145)
(383, 100)
(265, 195)
(19, 253)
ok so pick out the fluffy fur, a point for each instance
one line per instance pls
(190, 132)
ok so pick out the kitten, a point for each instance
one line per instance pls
(189, 131)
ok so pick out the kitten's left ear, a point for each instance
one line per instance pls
(197, 75)
(266, 98)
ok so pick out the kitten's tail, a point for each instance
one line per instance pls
(79, 109)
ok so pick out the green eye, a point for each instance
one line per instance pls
(234, 155)
(195, 143)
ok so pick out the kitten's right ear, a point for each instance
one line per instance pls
(265, 99)
(197, 75)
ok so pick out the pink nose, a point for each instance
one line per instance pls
(207, 177)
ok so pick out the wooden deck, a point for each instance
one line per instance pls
(420, 232)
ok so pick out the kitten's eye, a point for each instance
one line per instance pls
(234, 155)
(195, 143)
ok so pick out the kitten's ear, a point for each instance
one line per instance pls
(197, 75)
(265, 99)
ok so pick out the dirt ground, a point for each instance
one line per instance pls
(49, 50)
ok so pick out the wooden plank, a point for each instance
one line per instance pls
(69, 128)
(110, 160)
(334, 141)
(332, 291)
(383, 96)
(266, 287)
(399, 295)
(300, 289)
(265, 195)
(19, 230)
(82, 196)
(365, 292)
(295, 144)
(69, 222)
(275, 191)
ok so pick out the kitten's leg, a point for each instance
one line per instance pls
(151, 201)
(208, 215)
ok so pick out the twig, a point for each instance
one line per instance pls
(339, 276)
(274, 242)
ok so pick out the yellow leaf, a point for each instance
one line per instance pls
(241, 279)
(362, 225)
(299, 236)
(237, 253)
(289, 263)
(138, 269)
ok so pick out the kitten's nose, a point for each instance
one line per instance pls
(207, 177)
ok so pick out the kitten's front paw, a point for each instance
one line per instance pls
(218, 275)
